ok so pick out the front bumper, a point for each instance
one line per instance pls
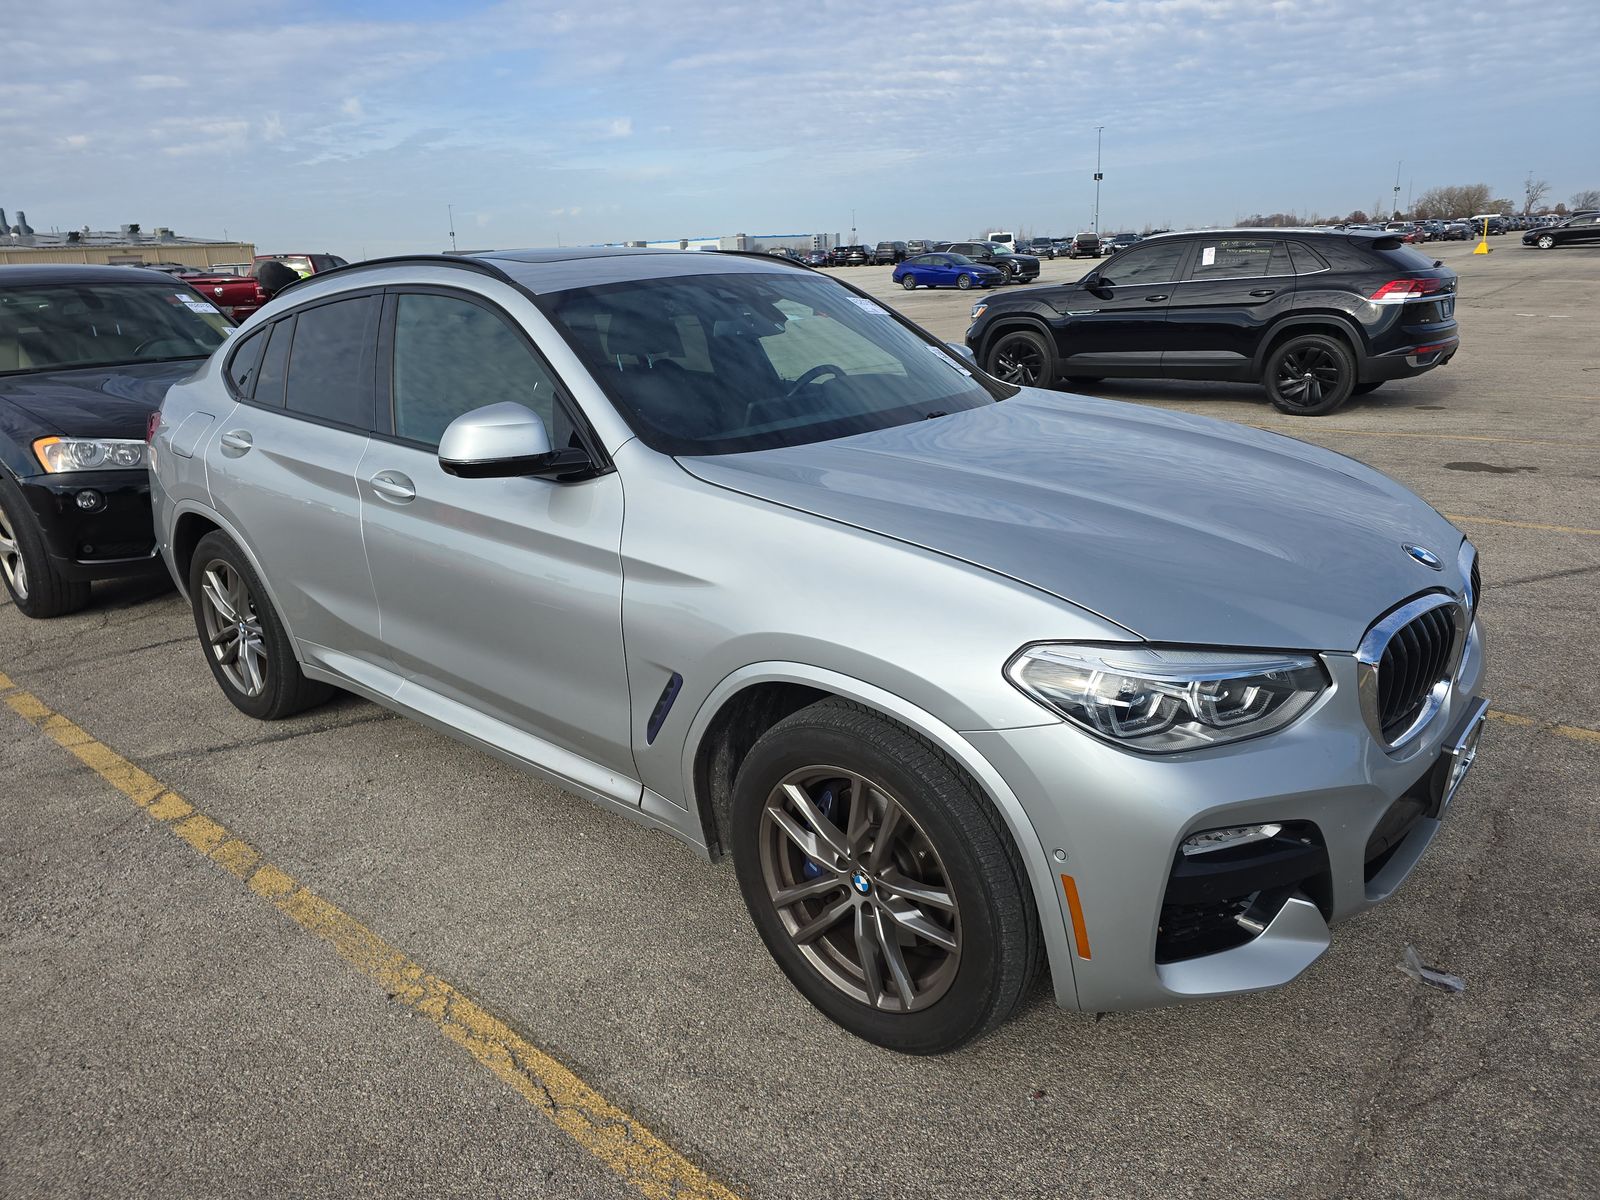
(1120, 819)
(114, 540)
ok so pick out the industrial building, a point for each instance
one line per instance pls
(129, 246)
(745, 241)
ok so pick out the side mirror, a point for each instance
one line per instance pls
(502, 441)
(962, 351)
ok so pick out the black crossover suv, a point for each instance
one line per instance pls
(86, 354)
(1313, 317)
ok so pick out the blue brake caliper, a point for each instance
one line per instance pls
(826, 802)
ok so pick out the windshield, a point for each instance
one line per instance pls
(295, 262)
(58, 326)
(717, 364)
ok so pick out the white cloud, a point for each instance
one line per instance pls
(352, 107)
(620, 127)
(75, 141)
(150, 83)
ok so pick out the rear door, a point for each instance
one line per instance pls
(283, 472)
(1118, 315)
(1233, 291)
(503, 595)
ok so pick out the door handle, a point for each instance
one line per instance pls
(237, 440)
(1264, 292)
(1154, 299)
(392, 485)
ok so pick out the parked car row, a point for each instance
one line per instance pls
(371, 483)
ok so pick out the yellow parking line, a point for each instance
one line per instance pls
(1465, 520)
(627, 1148)
(1573, 733)
(1431, 437)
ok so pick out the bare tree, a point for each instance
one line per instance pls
(1357, 218)
(1534, 191)
(1588, 198)
(1462, 200)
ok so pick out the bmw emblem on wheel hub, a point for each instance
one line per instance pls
(861, 883)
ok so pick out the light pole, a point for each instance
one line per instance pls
(451, 209)
(1098, 176)
(1396, 207)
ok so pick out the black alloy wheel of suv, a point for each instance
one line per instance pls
(1313, 317)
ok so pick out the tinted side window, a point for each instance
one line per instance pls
(452, 356)
(1145, 264)
(1306, 260)
(330, 370)
(275, 365)
(1234, 258)
(246, 358)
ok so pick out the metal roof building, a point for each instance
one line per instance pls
(130, 245)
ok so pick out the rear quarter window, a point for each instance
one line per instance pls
(1404, 258)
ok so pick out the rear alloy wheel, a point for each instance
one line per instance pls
(246, 645)
(882, 884)
(36, 587)
(964, 281)
(1546, 242)
(1310, 375)
(909, 283)
(1022, 357)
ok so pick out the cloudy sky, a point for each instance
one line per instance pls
(349, 125)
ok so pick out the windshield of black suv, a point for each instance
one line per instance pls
(50, 327)
(717, 364)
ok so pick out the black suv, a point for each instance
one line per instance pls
(1313, 317)
(889, 252)
(1019, 268)
(850, 256)
(1041, 247)
(86, 354)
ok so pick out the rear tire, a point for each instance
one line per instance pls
(35, 586)
(245, 643)
(946, 868)
(1310, 375)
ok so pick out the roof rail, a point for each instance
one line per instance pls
(481, 266)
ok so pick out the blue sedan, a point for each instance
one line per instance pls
(946, 270)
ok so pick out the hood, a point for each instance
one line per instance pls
(1179, 528)
(94, 401)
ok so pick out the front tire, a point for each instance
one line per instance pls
(1022, 357)
(245, 642)
(909, 283)
(35, 586)
(881, 881)
(1546, 242)
(963, 282)
(1310, 375)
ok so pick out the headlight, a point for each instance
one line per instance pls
(978, 310)
(57, 454)
(1165, 701)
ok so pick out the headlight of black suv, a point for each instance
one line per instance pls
(1167, 701)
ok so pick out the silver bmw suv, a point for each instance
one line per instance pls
(963, 676)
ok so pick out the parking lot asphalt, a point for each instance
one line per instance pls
(171, 1027)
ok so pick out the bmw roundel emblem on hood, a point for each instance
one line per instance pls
(1425, 556)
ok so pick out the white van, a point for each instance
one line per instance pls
(1004, 236)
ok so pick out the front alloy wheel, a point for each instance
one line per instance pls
(859, 889)
(881, 879)
(909, 283)
(1023, 358)
(1546, 242)
(11, 564)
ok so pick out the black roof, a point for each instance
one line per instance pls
(33, 274)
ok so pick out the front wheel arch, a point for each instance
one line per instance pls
(764, 683)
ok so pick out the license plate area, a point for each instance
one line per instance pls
(1460, 752)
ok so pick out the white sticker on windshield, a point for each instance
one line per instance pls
(866, 305)
(1208, 257)
(201, 306)
(950, 361)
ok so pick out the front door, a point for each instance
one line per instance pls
(504, 595)
(1118, 316)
